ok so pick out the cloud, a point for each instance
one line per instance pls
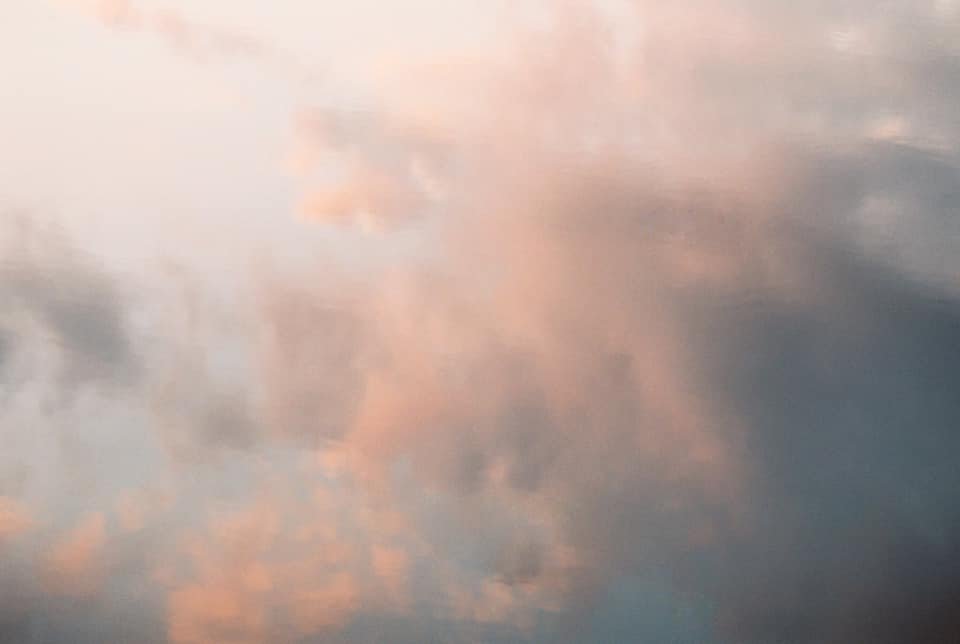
(193, 39)
(392, 171)
(392, 566)
(74, 565)
(850, 404)
(254, 580)
(56, 295)
(307, 361)
(673, 351)
(14, 519)
(684, 321)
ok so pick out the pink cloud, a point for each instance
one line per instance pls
(15, 519)
(74, 566)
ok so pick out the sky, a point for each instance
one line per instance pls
(479, 321)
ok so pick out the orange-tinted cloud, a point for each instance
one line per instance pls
(552, 347)
(14, 519)
(251, 581)
(74, 566)
(392, 566)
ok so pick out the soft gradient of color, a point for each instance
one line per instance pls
(472, 321)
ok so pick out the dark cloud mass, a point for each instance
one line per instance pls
(852, 415)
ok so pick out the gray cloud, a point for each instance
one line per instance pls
(52, 291)
(851, 408)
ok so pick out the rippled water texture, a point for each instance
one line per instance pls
(415, 321)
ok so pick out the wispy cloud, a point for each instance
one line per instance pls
(189, 37)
